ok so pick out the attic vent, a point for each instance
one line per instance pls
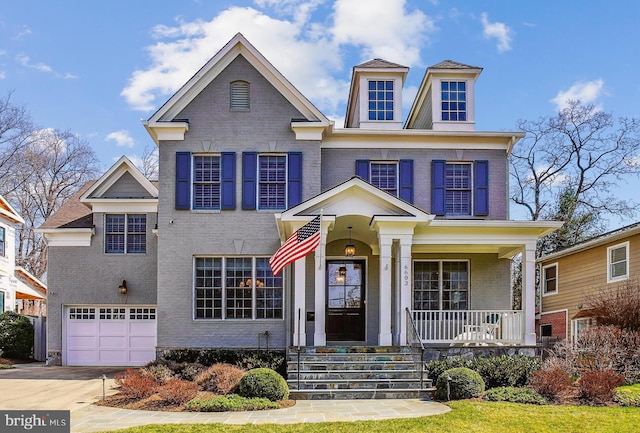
(239, 95)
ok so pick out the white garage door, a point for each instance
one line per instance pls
(108, 335)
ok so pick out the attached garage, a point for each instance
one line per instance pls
(109, 335)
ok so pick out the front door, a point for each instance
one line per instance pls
(345, 300)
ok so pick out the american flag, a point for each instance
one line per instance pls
(300, 244)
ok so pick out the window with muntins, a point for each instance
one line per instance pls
(239, 100)
(458, 189)
(550, 275)
(272, 182)
(618, 262)
(125, 233)
(206, 182)
(454, 101)
(384, 175)
(440, 285)
(381, 100)
(236, 288)
(2, 249)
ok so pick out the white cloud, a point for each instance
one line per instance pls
(497, 30)
(25, 61)
(307, 53)
(586, 92)
(26, 31)
(3, 75)
(122, 138)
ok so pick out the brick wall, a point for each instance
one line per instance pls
(558, 322)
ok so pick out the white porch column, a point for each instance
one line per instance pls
(299, 334)
(405, 284)
(320, 334)
(385, 337)
(529, 292)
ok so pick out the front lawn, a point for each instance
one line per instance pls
(466, 416)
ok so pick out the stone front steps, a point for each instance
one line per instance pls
(356, 372)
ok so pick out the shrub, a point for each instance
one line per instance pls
(436, 368)
(189, 371)
(465, 383)
(515, 395)
(134, 384)
(229, 403)
(501, 371)
(16, 335)
(220, 378)
(159, 373)
(551, 384)
(263, 382)
(246, 359)
(177, 391)
(628, 395)
(598, 386)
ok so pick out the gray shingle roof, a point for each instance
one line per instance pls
(450, 64)
(379, 63)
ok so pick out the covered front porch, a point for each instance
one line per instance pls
(443, 282)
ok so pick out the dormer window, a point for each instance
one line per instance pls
(454, 101)
(239, 96)
(380, 100)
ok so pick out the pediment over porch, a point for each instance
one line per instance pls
(358, 204)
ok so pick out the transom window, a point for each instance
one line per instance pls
(550, 279)
(239, 95)
(272, 181)
(80, 313)
(440, 285)
(125, 233)
(206, 182)
(2, 249)
(112, 314)
(454, 100)
(618, 262)
(384, 175)
(458, 189)
(381, 100)
(236, 288)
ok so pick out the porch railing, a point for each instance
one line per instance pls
(415, 345)
(468, 327)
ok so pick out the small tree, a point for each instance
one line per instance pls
(16, 335)
(618, 305)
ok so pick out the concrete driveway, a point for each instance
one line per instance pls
(33, 386)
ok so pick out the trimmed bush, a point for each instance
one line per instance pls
(599, 386)
(159, 373)
(177, 391)
(551, 384)
(465, 383)
(230, 403)
(220, 378)
(16, 335)
(514, 395)
(134, 384)
(244, 358)
(628, 395)
(263, 383)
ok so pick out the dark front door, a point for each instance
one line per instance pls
(345, 300)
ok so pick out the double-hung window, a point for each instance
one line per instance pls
(440, 285)
(236, 288)
(272, 182)
(550, 279)
(381, 100)
(384, 175)
(125, 233)
(2, 241)
(460, 188)
(454, 101)
(206, 182)
(458, 184)
(618, 262)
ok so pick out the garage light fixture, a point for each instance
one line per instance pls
(122, 288)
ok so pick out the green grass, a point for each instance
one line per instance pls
(466, 416)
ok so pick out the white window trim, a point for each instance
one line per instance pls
(441, 279)
(574, 326)
(192, 182)
(544, 280)
(611, 279)
(126, 234)
(387, 162)
(286, 182)
(472, 181)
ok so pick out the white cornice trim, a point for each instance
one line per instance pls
(309, 130)
(166, 130)
(108, 179)
(67, 237)
(124, 205)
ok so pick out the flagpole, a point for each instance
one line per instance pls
(320, 252)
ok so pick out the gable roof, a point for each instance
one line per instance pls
(611, 236)
(379, 63)
(165, 116)
(73, 213)
(450, 64)
(111, 177)
(8, 212)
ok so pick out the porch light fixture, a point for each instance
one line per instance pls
(122, 288)
(350, 249)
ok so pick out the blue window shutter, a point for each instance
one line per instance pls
(183, 180)
(249, 174)
(438, 187)
(406, 179)
(481, 188)
(228, 180)
(294, 186)
(362, 169)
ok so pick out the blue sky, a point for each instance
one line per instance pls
(98, 68)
